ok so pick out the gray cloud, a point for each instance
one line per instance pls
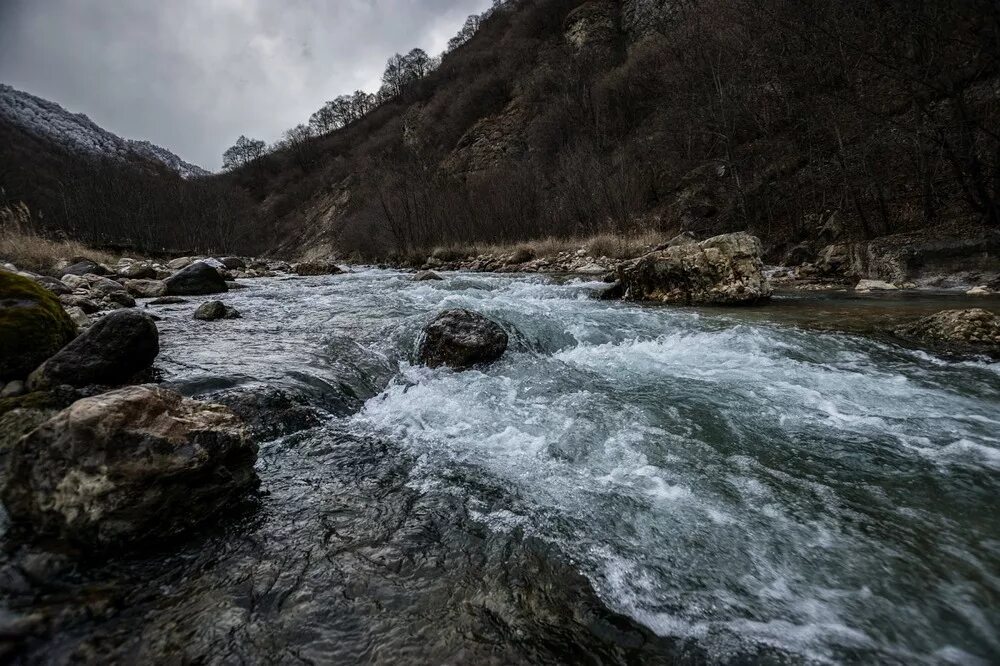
(192, 75)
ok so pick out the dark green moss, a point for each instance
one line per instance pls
(33, 325)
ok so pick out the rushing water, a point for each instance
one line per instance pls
(737, 487)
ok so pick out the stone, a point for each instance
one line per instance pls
(119, 346)
(179, 263)
(214, 310)
(84, 267)
(461, 339)
(168, 300)
(13, 389)
(33, 326)
(74, 281)
(270, 413)
(235, 286)
(134, 465)
(119, 299)
(139, 270)
(197, 279)
(146, 288)
(874, 285)
(981, 290)
(57, 287)
(424, 276)
(79, 317)
(76, 301)
(233, 263)
(311, 268)
(974, 327)
(102, 286)
(723, 270)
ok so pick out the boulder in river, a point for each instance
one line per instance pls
(974, 327)
(461, 339)
(197, 279)
(136, 464)
(311, 268)
(214, 310)
(723, 270)
(85, 267)
(33, 325)
(425, 276)
(270, 412)
(119, 346)
(139, 270)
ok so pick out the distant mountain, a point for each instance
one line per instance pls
(78, 133)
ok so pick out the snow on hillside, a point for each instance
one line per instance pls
(78, 132)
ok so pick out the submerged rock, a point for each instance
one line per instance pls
(214, 310)
(33, 326)
(974, 327)
(112, 351)
(197, 279)
(270, 413)
(461, 339)
(134, 464)
(724, 270)
(424, 276)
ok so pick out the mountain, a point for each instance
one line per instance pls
(805, 122)
(79, 133)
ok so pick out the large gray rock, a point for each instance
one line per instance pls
(197, 279)
(974, 328)
(112, 351)
(461, 339)
(146, 288)
(724, 270)
(140, 463)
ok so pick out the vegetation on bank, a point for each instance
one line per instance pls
(24, 247)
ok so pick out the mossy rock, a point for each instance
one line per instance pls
(33, 326)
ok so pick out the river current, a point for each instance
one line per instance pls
(627, 483)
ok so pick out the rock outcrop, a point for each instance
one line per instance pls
(33, 326)
(973, 328)
(196, 279)
(724, 270)
(461, 339)
(112, 351)
(136, 464)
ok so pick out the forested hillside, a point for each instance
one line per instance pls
(799, 120)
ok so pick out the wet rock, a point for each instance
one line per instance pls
(424, 276)
(235, 286)
(874, 285)
(136, 464)
(197, 279)
(270, 413)
(233, 263)
(214, 310)
(310, 268)
(461, 339)
(121, 345)
(84, 267)
(724, 270)
(33, 325)
(168, 300)
(119, 299)
(146, 288)
(974, 327)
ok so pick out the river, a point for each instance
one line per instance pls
(627, 484)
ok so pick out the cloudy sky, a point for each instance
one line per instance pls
(192, 75)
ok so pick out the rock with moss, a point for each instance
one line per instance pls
(33, 326)
(137, 464)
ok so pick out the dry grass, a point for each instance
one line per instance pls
(27, 250)
(614, 246)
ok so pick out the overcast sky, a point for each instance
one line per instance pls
(192, 75)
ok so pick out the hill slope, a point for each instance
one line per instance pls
(78, 133)
(805, 122)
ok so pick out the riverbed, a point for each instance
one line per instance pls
(628, 483)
